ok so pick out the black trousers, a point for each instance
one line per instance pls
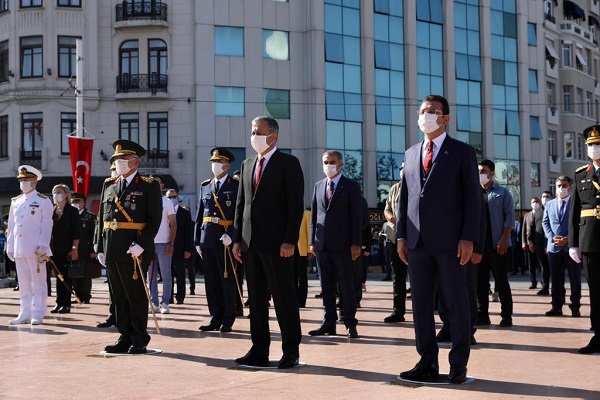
(399, 272)
(301, 277)
(63, 290)
(269, 273)
(559, 262)
(498, 265)
(439, 270)
(472, 288)
(179, 266)
(221, 290)
(591, 265)
(83, 286)
(338, 271)
(130, 301)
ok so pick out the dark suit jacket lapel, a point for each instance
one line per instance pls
(268, 170)
(249, 177)
(130, 187)
(440, 162)
(321, 193)
(338, 189)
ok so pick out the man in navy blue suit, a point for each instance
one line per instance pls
(556, 228)
(336, 239)
(438, 221)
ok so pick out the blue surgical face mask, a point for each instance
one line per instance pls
(174, 200)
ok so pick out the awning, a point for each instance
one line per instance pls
(580, 58)
(593, 21)
(551, 51)
(572, 9)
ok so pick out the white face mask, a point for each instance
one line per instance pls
(544, 201)
(217, 168)
(562, 192)
(330, 170)
(58, 197)
(593, 152)
(428, 123)
(174, 201)
(113, 173)
(26, 186)
(535, 206)
(483, 179)
(259, 143)
(78, 206)
(122, 166)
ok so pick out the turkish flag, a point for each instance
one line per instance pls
(81, 162)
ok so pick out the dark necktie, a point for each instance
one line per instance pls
(258, 172)
(217, 186)
(561, 212)
(122, 186)
(330, 189)
(428, 161)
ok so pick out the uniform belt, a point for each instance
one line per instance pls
(114, 225)
(217, 220)
(591, 213)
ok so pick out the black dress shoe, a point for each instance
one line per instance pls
(208, 328)
(543, 292)
(55, 309)
(64, 310)
(179, 302)
(137, 350)
(392, 318)
(473, 340)
(192, 292)
(592, 347)
(505, 323)
(322, 331)
(288, 360)
(319, 296)
(458, 374)
(554, 312)
(575, 313)
(250, 359)
(16, 288)
(119, 347)
(225, 328)
(106, 324)
(352, 333)
(239, 313)
(422, 372)
(483, 321)
(533, 286)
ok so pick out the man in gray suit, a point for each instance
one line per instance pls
(438, 221)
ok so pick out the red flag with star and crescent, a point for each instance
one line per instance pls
(81, 162)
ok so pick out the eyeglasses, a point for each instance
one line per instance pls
(432, 112)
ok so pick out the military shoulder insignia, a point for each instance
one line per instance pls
(236, 178)
(16, 197)
(43, 196)
(110, 179)
(147, 179)
(206, 182)
(582, 168)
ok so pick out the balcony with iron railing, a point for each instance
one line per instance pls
(32, 157)
(142, 84)
(575, 29)
(137, 13)
(155, 159)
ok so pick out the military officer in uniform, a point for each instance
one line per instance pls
(214, 225)
(28, 244)
(584, 229)
(130, 214)
(83, 285)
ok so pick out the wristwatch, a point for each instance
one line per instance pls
(74, 247)
(170, 244)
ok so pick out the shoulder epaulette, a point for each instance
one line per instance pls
(16, 197)
(206, 182)
(236, 178)
(147, 179)
(43, 196)
(581, 168)
(110, 179)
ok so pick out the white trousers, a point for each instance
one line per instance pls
(33, 289)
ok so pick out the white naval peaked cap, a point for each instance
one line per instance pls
(27, 171)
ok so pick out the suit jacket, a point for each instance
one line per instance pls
(536, 229)
(86, 239)
(208, 233)
(338, 225)
(584, 232)
(184, 239)
(142, 200)
(444, 206)
(526, 227)
(555, 226)
(66, 229)
(366, 227)
(273, 214)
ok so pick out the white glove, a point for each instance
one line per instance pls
(41, 251)
(226, 239)
(199, 251)
(575, 254)
(11, 256)
(135, 250)
(96, 248)
(101, 259)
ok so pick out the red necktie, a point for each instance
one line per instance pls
(258, 172)
(428, 162)
(330, 188)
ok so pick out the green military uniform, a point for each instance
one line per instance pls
(584, 231)
(127, 218)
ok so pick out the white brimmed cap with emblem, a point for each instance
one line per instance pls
(27, 171)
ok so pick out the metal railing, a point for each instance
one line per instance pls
(137, 10)
(32, 157)
(155, 159)
(128, 83)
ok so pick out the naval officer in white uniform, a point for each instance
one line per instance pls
(28, 243)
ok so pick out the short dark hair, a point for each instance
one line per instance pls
(488, 163)
(440, 99)
(333, 153)
(271, 123)
(564, 178)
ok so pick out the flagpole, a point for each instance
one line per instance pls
(79, 87)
